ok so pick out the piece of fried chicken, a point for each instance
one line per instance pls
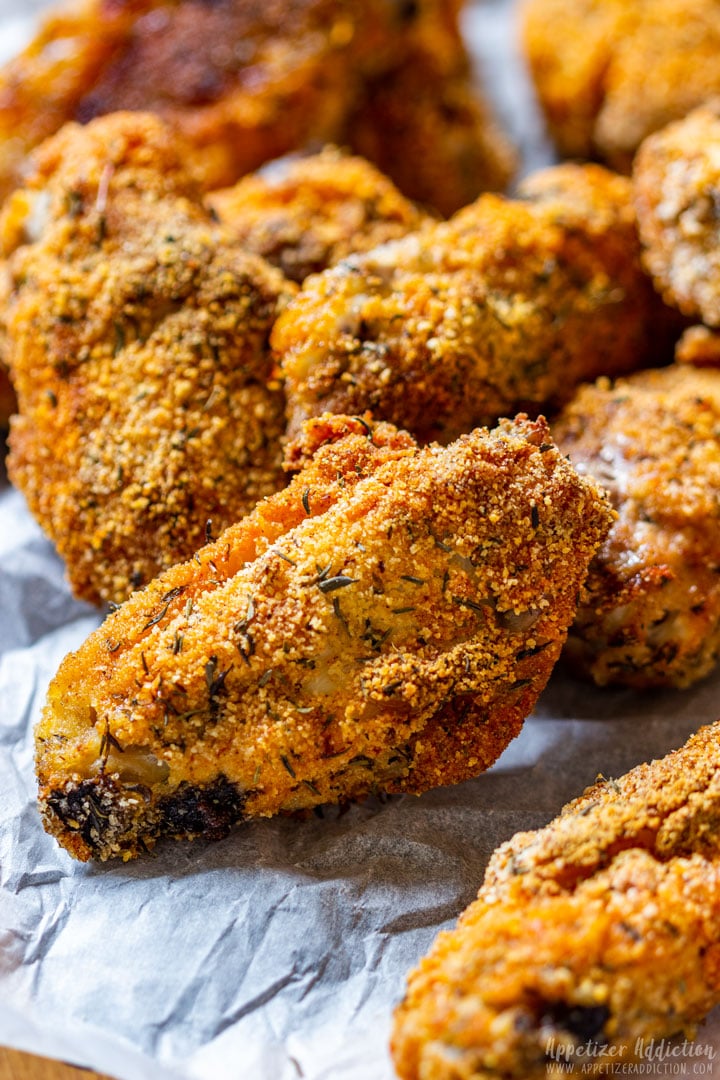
(677, 190)
(242, 82)
(650, 613)
(507, 306)
(306, 214)
(302, 214)
(384, 623)
(137, 334)
(589, 938)
(610, 72)
(427, 125)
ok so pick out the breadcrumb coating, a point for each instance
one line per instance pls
(505, 307)
(610, 72)
(650, 614)
(137, 334)
(305, 214)
(589, 937)
(241, 82)
(677, 190)
(385, 623)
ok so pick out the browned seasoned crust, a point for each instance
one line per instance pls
(676, 179)
(305, 214)
(137, 334)
(610, 72)
(507, 306)
(385, 623)
(595, 932)
(243, 82)
(192, 63)
(650, 615)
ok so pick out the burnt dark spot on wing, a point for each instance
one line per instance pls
(585, 1022)
(208, 811)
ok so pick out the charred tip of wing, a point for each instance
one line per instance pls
(102, 818)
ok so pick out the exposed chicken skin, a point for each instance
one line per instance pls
(137, 334)
(610, 72)
(677, 189)
(305, 214)
(599, 932)
(650, 614)
(243, 81)
(386, 622)
(507, 306)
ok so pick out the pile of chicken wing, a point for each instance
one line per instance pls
(287, 417)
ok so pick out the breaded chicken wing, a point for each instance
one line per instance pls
(677, 191)
(385, 623)
(610, 72)
(137, 334)
(429, 127)
(242, 81)
(589, 938)
(650, 615)
(305, 214)
(505, 307)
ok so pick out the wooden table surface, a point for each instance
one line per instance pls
(17, 1066)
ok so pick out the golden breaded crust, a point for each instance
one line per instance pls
(191, 63)
(650, 615)
(505, 307)
(676, 180)
(595, 932)
(137, 334)
(305, 214)
(386, 623)
(241, 82)
(610, 72)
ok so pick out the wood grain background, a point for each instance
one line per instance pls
(17, 1066)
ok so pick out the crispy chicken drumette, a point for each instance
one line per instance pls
(610, 72)
(384, 623)
(305, 214)
(650, 614)
(589, 937)
(677, 191)
(137, 334)
(242, 82)
(507, 306)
